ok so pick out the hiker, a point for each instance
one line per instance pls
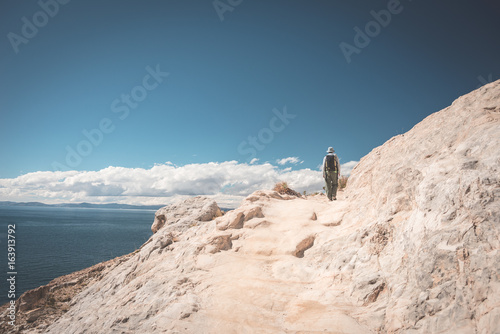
(331, 172)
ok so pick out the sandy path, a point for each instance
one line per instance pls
(264, 288)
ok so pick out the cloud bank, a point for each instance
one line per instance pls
(228, 182)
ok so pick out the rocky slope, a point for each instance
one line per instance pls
(38, 308)
(412, 246)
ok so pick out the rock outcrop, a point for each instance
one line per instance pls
(197, 208)
(38, 308)
(411, 246)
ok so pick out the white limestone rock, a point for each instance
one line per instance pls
(198, 208)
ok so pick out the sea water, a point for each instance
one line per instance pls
(50, 241)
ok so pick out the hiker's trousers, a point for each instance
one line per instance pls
(332, 183)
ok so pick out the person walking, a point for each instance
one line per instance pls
(331, 173)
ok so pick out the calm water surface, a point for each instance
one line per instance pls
(51, 242)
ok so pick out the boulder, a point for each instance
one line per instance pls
(198, 208)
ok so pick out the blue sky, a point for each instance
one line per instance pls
(90, 77)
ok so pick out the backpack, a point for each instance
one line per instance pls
(331, 163)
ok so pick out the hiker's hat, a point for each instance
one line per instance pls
(330, 150)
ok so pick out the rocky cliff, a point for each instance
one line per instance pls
(412, 246)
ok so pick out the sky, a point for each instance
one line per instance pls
(142, 102)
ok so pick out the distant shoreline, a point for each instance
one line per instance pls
(83, 205)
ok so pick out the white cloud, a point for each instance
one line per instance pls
(253, 161)
(289, 160)
(346, 169)
(228, 182)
